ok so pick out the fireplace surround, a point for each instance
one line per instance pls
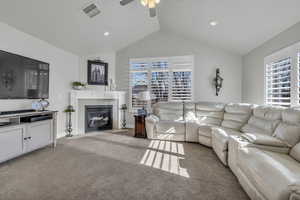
(98, 117)
(79, 99)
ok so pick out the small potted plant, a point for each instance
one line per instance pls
(78, 85)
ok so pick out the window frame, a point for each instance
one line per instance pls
(172, 66)
(288, 52)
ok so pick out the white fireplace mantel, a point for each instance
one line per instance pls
(116, 97)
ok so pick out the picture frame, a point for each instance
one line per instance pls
(97, 72)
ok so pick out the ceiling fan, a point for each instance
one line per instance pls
(151, 4)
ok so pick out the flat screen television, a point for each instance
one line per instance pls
(22, 77)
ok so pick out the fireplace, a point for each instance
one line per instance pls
(98, 118)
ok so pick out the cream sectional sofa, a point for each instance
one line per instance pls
(260, 144)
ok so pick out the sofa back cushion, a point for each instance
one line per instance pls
(264, 120)
(189, 111)
(209, 113)
(289, 128)
(236, 115)
(168, 110)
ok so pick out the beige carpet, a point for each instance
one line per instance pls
(111, 167)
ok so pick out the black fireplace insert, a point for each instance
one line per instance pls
(98, 118)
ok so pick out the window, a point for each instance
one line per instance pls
(168, 79)
(282, 77)
(278, 82)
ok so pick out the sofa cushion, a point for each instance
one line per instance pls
(220, 139)
(288, 133)
(209, 113)
(205, 130)
(236, 115)
(189, 111)
(168, 110)
(291, 116)
(221, 136)
(260, 125)
(268, 112)
(191, 131)
(262, 139)
(264, 120)
(170, 127)
(205, 140)
(270, 172)
(295, 152)
(210, 106)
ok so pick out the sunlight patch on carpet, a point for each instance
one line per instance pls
(166, 156)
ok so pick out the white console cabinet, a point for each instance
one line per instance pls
(38, 134)
(20, 138)
(11, 142)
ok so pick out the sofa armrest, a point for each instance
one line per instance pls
(152, 119)
(265, 142)
(151, 122)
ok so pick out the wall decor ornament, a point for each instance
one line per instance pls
(218, 81)
(97, 72)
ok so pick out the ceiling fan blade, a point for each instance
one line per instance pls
(125, 2)
(152, 12)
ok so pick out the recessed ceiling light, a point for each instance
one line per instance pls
(213, 23)
(106, 33)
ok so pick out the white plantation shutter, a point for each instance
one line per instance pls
(138, 82)
(182, 79)
(278, 82)
(168, 79)
(160, 85)
(182, 86)
(160, 80)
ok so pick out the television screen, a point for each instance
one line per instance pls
(23, 78)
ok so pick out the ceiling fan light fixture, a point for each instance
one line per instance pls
(150, 3)
(144, 2)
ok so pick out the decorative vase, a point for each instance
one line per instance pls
(79, 87)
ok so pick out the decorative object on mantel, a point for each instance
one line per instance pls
(40, 105)
(69, 110)
(218, 81)
(124, 108)
(76, 85)
(112, 85)
(97, 72)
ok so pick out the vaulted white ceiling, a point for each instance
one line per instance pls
(243, 24)
(63, 23)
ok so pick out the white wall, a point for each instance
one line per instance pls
(109, 57)
(207, 59)
(63, 69)
(253, 64)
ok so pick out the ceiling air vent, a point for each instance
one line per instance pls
(91, 10)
